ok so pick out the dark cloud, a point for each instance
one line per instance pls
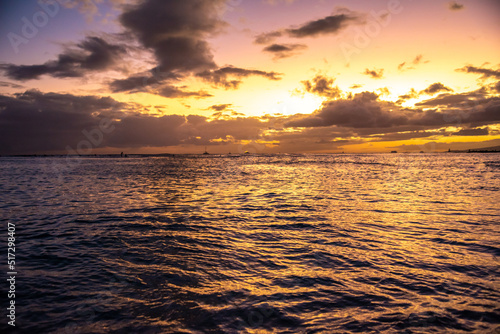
(176, 31)
(230, 77)
(220, 107)
(92, 54)
(331, 24)
(431, 90)
(284, 50)
(497, 86)
(35, 122)
(278, 48)
(175, 92)
(322, 86)
(405, 135)
(328, 25)
(10, 84)
(311, 139)
(412, 94)
(485, 72)
(446, 99)
(453, 5)
(173, 130)
(375, 73)
(435, 88)
(237, 128)
(365, 111)
(142, 82)
(134, 83)
(473, 132)
(268, 37)
(154, 85)
(146, 131)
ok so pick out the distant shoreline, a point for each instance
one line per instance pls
(139, 155)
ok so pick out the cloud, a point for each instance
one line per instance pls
(87, 7)
(410, 95)
(446, 99)
(33, 121)
(10, 84)
(431, 90)
(322, 86)
(497, 86)
(154, 85)
(405, 135)
(134, 83)
(453, 5)
(383, 91)
(92, 54)
(472, 132)
(267, 37)
(229, 77)
(284, 50)
(36, 122)
(220, 107)
(327, 25)
(435, 88)
(405, 66)
(417, 60)
(375, 73)
(485, 72)
(365, 111)
(331, 24)
(175, 92)
(176, 31)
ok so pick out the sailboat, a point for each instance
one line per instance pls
(205, 151)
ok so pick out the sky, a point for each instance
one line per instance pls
(263, 76)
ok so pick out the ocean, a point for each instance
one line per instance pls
(368, 243)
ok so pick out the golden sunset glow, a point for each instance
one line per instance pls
(307, 76)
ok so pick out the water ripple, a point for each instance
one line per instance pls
(256, 244)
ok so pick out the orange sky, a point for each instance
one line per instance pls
(269, 76)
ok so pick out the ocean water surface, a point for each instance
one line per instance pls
(387, 243)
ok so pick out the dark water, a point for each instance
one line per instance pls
(255, 244)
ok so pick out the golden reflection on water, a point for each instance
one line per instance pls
(326, 243)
